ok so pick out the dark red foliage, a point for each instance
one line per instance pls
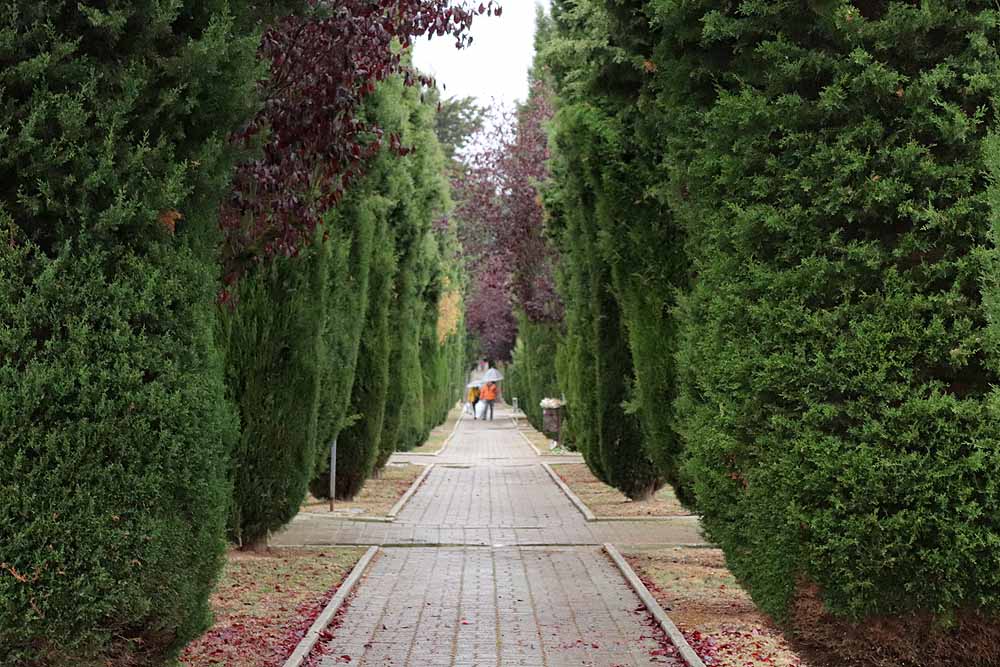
(322, 66)
(489, 316)
(502, 229)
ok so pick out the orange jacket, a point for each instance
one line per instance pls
(488, 392)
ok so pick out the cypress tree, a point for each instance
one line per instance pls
(602, 187)
(575, 359)
(113, 422)
(273, 372)
(597, 368)
(837, 368)
(535, 360)
(431, 349)
(351, 229)
(421, 195)
(358, 444)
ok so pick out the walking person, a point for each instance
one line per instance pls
(473, 399)
(488, 394)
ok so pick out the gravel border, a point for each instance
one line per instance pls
(589, 514)
(447, 441)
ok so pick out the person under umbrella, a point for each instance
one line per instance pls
(473, 397)
(489, 391)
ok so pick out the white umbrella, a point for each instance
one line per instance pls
(492, 375)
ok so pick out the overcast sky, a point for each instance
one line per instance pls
(496, 65)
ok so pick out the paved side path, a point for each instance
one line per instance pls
(513, 575)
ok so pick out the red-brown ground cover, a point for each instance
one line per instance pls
(716, 616)
(265, 602)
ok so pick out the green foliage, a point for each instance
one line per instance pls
(113, 423)
(597, 369)
(358, 444)
(532, 376)
(837, 369)
(421, 196)
(351, 230)
(114, 432)
(791, 196)
(576, 367)
(455, 122)
(272, 340)
(616, 224)
(386, 369)
(442, 342)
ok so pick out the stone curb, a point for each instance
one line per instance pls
(573, 498)
(447, 441)
(652, 519)
(397, 508)
(535, 448)
(530, 443)
(590, 516)
(369, 519)
(311, 638)
(491, 545)
(673, 633)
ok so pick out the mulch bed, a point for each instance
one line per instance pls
(376, 498)
(716, 616)
(265, 602)
(608, 502)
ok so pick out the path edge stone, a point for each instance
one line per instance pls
(311, 638)
(673, 633)
(398, 507)
(447, 441)
(589, 514)
(573, 498)
(652, 519)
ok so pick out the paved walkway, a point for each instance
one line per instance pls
(513, 574)
(477, 496)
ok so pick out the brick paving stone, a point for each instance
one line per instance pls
(469, 606)
(475, 496)
(497, 598)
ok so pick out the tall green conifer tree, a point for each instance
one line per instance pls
(274, 372)
(358, 445)
(113, 421)
(837, 399)
(590, 144)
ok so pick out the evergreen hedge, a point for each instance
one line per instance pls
(598, 370)
(422, 195)
(822, 163)
(113, 423)
(593, 53)
(575, 358)
(837, 397)
(399, 198)
(351, 228)
(532, 376)
(358, 444)
(272, 340)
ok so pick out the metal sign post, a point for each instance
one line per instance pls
(333, 471)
